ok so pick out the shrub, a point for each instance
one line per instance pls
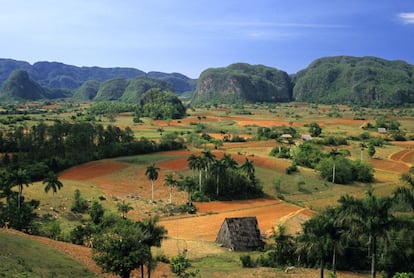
(79, 204)
(247, 261)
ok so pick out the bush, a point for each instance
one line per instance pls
(247, 261)
(291, 169)
(79, 204)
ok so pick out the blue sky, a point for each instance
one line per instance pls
(189, 36)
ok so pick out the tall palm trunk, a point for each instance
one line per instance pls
(53, 200)
(333, 173)
(20, 196)
(199, 181)
(334, 260)
(217, 185)
(373, 256)
(152, 191)
(322, 266)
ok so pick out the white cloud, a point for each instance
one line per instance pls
(407, 18)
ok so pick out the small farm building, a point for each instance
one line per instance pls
(240, 234)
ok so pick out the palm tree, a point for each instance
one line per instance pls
(334, 231)
(209, 159)
(192, 162)
(171, 182)
(52, 183)
(124, 208)
(152, 175)
(229, 162)
(404, 193)
(155, 235)
(219, 168)
(370, 216)
(248, 168)
(334, 153)
(284, 246)
(19, 177)
(314, 241)
(200, 164)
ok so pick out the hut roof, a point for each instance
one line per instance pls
(240, 234)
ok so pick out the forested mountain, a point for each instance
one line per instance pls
(365, 81)
(243, 82)
(54, 75)
(353, 80)
(20, 86)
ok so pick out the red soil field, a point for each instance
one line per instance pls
(92, 170)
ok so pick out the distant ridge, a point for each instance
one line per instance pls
(362, 81)
(55, 75)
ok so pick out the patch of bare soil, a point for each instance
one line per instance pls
(405, 156)
(389, 165)
(92, 170)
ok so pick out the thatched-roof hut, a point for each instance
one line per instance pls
(240, 234)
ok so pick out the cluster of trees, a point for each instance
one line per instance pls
(119, 244)
(15, 212)
(358, 234)
(160, 105)
(55, 147)
(333, 166)
(224, 178)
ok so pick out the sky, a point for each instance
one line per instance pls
(189, 36)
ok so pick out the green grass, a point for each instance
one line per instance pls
(22, 257)
(226, 263)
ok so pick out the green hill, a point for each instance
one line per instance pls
(243, 82)
(111, 89)
(57, 77)
(87, 91)
(352, 80)
(138, 86)
(22, 257)
(20, 86)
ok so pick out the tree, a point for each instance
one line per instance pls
(370, 216)
(155, 235)
(314, 242)
(171, 182)
(314, 129)
(52, 183)
(124, 208)
(179, 266)
(200, 165)
(152, 175)
(96, 212)
(192, 162)
(219, 168)
(79, 204)
(248, 168)
(341, 167)
(20, 178)
(362, 146)
(404, 193)
(334, 153)
(284, 247)
(371, 150)
(209, 158)
(121, 248)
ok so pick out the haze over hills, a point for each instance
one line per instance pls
(329, 80)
